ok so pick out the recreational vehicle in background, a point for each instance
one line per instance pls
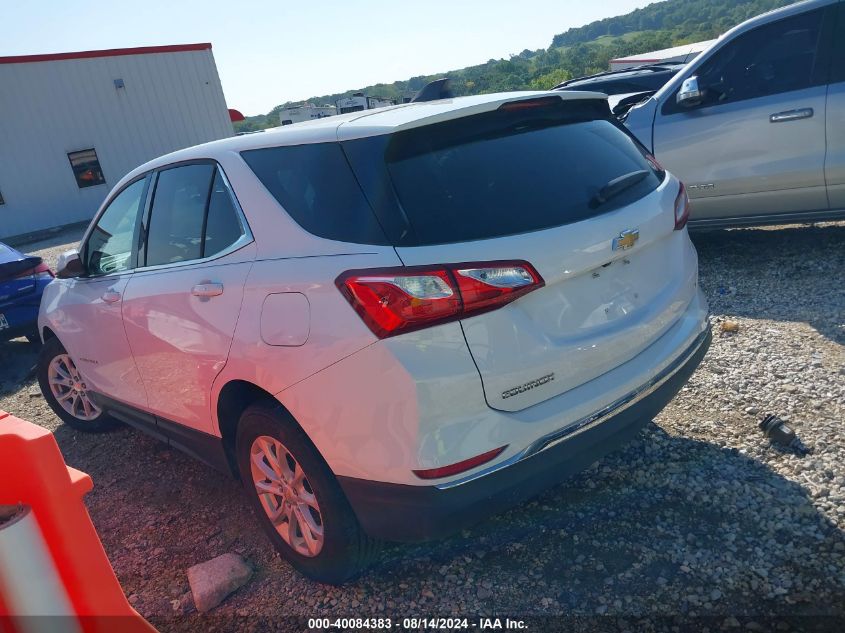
(305, 112)
(359, 101)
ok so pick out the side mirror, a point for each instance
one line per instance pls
(70, 265)
(690, 94)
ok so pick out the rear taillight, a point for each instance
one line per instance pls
(390, 302)
(42, 271)
(681, 208)
(396, 300)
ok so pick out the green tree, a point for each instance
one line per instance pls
(550, 79)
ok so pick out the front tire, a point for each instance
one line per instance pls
(65, 390)
(297, 499)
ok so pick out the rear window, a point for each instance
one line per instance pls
(510, 171)
(513, 172)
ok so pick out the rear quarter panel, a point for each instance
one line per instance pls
(333, 330)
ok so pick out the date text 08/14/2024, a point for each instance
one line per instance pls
(415, 624)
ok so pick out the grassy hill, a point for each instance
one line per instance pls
(578, 51)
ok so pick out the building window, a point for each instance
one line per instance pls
(1, 198)
(86, 168)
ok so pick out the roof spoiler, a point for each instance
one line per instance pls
(435, 90)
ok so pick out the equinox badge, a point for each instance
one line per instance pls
(626, 239)
(528, 386)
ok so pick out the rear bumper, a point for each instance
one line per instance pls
(399, 512)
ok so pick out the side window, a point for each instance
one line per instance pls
(316, 187)
(775, 58)
(178, 212)
(222, 226)
(193, 215)
(109, 246)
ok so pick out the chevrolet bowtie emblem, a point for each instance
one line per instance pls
(626, 239)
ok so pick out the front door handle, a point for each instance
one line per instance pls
(207, 290)
(111, 296)
(791, 115)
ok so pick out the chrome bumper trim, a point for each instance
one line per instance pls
(592, 420)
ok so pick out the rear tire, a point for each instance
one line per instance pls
(313, 525)
(65, 390)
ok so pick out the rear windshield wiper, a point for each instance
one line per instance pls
(617, 186)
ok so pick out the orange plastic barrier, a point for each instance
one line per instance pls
(80, 589)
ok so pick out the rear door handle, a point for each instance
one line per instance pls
(791, 115)
(111, 296)
(207, 290)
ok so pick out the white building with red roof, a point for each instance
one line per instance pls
(72, 124)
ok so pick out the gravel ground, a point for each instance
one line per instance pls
(700, 516)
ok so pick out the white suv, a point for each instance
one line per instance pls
(390, 323)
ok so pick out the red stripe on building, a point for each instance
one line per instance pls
(110, 52)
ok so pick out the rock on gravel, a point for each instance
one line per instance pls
(213, 580)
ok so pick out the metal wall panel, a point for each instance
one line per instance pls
(49, 108)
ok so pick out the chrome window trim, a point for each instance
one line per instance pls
(594, 419)
(244, 240)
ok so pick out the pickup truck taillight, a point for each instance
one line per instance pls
(681, 208)
(396, 300)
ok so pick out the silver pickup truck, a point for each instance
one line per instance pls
(755, 125)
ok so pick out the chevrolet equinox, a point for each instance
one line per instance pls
(386, 324)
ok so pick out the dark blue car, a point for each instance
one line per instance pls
(22, 282)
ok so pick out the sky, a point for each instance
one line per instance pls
(269, 52)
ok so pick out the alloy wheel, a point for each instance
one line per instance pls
(69, 389)
(286, 495)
